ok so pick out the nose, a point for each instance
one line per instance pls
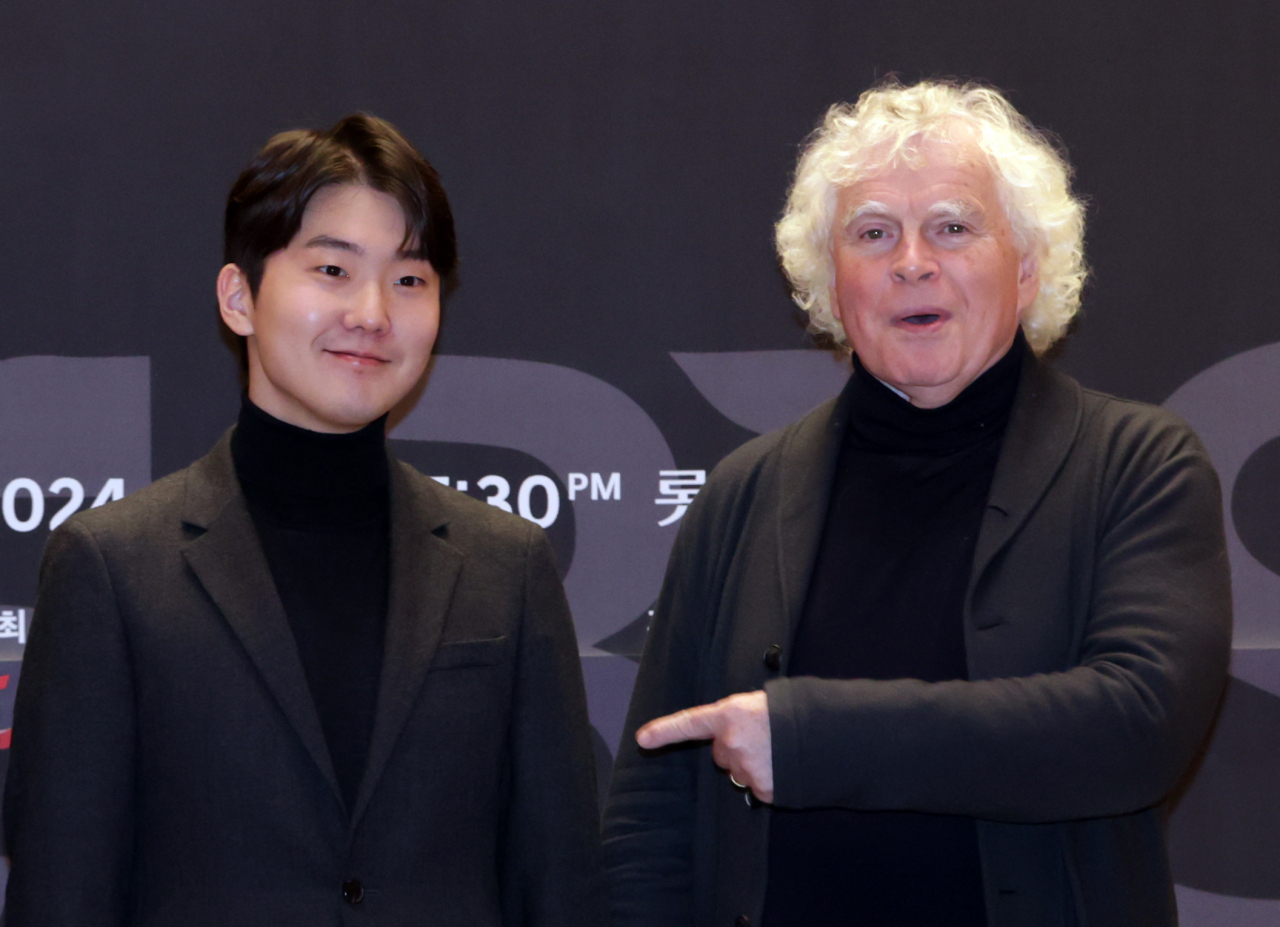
(914, 261)
(368, 310)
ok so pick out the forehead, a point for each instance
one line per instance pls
(930, 171)
(355, 208)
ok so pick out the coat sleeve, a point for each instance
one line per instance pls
(68, 804)
(551, 871)
(651, 851)
(1109, 735)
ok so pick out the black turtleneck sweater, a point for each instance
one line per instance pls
(321, 508)
(885, 602)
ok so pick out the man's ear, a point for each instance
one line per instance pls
(831, 297)
(835, 307)
(1028, 280)
(235, 302)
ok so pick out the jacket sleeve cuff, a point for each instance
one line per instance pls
(785, 742)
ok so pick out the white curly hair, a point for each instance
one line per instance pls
(884, 127)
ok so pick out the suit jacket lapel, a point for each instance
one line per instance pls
(228, 560)
(806, 469)
(424, 571)
(1043, 425)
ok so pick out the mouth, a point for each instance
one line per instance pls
(923, 319)
(358, 358)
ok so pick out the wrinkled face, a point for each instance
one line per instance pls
(929, 282)
(344, 321)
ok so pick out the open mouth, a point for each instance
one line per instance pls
(922, 318)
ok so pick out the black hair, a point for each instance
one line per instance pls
(266, 203)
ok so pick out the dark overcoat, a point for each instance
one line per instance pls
(169, 768)
(1097, 634)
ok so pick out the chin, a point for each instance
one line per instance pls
(921, 374)
(357, 419)
(353, 414)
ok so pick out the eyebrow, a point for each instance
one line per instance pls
(328, 241)
(952, 209)
(867, 208)
(339, 244)
(956, 209)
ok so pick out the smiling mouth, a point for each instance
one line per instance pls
(358, 358)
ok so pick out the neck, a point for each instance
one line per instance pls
(934, 397)
(305, 478)
(881, 418)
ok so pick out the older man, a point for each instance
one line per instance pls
(953, 636)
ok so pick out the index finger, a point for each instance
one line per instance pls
(700, 723)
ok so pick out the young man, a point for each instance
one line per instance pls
(299, 682)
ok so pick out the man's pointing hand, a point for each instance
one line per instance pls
(738, 727)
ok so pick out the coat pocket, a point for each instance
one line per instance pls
(457, 654)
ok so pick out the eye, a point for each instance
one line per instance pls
(954, 228)
(873, 234)
(332, 270)
(410, 280)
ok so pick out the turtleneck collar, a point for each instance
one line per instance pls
(881, 420)
(306, 479)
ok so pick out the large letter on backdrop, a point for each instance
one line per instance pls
(75, 432)
(575, 424)
(1224, 837)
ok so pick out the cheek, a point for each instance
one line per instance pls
(996, 278)
(418, 334)
(861, 315)
(866, 339)
(285, 323)
(286, 328)
(286, 338)
(854, 291)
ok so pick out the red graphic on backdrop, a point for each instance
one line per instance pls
(7, 733)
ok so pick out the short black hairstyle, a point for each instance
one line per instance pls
(266, 203)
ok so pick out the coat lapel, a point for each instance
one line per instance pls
(807, 467)
(1044, 422)
(424, 571)
(228, 560)
(1043, 425)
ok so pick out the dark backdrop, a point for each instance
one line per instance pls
(615, 171)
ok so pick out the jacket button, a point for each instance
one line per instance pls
(352, 891)
(773, 658)
(742, 921)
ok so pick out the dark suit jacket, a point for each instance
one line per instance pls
(168, 766)
(1097, 631)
